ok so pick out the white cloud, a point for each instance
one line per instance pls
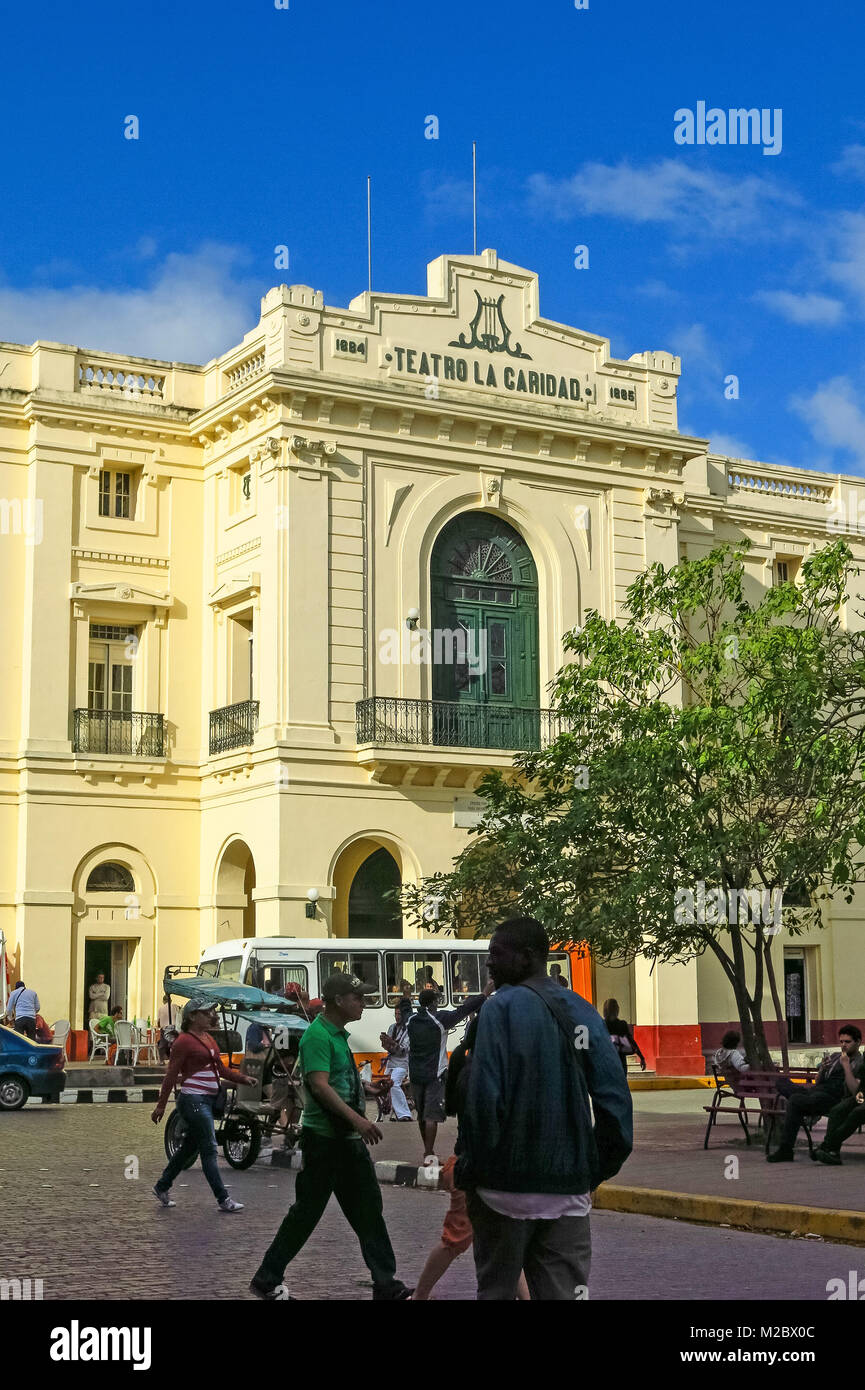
(852, 162)
(193, 307)
(669, 191)
(835, 417)
(730, 447)
(817, 310)
(846, 262)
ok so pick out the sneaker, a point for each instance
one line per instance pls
(780, 1156)
(278, 1295)
(163, 1198)
(228, 1205)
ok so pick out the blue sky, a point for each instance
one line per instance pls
(258, 127)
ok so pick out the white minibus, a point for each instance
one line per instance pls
(392, 967)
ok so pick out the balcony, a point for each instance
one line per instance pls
(234, 726)
(123, 733)
(454, 724)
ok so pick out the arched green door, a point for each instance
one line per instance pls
(485, 636)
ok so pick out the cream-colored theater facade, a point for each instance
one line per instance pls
(212, 705)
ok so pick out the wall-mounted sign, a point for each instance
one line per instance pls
(468, 812)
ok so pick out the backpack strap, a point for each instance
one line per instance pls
(556, 1006)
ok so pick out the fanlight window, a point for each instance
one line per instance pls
(110, 878)
(481, 560)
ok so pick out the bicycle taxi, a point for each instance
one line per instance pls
(272, 1108)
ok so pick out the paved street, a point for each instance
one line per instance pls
(72, 1218)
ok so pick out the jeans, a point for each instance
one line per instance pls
(555, 1255)
(197, 1113)
(341, 1167)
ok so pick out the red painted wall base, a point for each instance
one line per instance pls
(672, 1049)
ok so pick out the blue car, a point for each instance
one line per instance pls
(29, 1069)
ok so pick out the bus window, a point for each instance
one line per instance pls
(468, 974)
(559, 968)
(364, 964)
(208, 968)
(274, 978)
(229, 968)
(408, 972)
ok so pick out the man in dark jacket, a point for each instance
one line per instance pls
(530, 1154)
(428, 1059)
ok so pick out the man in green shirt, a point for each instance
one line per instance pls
(333, 1140)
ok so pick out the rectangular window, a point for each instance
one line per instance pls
(785, 571)
(365, 964)
(559, 967)
(115, 494)
(408, 972)
(208, 969)
(229, 968)
(274, 978)
(468, 974)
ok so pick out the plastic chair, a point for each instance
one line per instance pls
(144, 1042)
(61, 1030)
(99, 1042)
(124, 1036)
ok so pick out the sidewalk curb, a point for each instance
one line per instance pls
(408, 1175)
(99, 1095)
(773, 1218)
(636, 1082)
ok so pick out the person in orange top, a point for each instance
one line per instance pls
(195, 1063)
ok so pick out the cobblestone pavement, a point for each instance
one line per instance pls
(74, 1219)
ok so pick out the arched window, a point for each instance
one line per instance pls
(109, 877)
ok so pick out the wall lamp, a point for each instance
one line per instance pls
(411, 619)
(312, 896)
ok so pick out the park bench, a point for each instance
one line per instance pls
(732, 1092)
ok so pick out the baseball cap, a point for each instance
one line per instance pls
(197, 1006)
(340, 983)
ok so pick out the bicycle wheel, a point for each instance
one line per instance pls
(175, 1133)
(241, 1143)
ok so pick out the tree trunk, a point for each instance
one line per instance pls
(773, 986)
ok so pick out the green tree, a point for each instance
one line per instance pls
(713, 737)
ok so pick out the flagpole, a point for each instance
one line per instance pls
(368, 233)
(474, 198)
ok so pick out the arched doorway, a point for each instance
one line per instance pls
(235, 881)
(484, 587)
(370, 913)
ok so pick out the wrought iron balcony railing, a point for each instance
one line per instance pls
(127, 733)
(234, 726)
(454, 724)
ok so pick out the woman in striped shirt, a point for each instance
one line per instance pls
(195, 1063)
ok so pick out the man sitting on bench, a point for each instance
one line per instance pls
(837, 1079)
(729, 1059)
(844, 1119)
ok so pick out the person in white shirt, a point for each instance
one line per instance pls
(23, 1006)
(395, 1043)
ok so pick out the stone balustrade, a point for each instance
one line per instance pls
(245, 371)
(130, 382)
(766, 483)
